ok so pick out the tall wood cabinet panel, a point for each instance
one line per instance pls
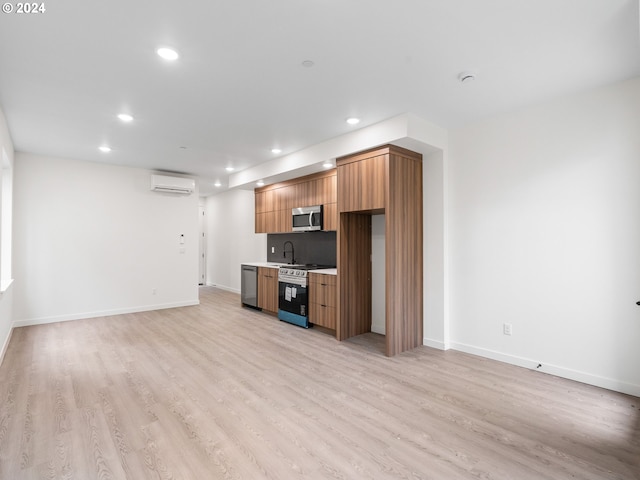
(383, 180)
(273, 203)
(354, 275)
(403, 253)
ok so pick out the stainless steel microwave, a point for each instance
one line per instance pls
(306, 219)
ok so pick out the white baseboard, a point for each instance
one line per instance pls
(103, 313)
(6, 344)
(583, 377)
(429, 342)
(224, 287)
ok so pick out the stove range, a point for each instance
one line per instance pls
(298, 273)
(292, 293)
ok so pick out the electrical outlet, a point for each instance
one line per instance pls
(506, 328)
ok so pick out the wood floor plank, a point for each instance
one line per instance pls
(224, 392)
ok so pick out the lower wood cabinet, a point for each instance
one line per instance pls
(268, 289)
(322, 300)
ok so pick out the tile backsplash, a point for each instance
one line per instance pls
(309, 247)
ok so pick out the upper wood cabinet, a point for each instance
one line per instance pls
(363, 183)
(274, 202)
(330, 215)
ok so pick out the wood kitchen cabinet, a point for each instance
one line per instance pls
(273, 203)
(322, 300)
(385, 180)
(363, 182)
(330, 214)
(277, 221)
(268, 289)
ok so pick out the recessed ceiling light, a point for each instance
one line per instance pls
(125, 117)
(104, 149)
(217, 184)
(327, 165)
(260, 183)
(167, 53)
(353, 120)
(276, 150)
(466, 77)
(229, 169)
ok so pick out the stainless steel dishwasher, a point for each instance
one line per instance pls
(249, 285)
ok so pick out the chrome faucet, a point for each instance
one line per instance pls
(284, 251)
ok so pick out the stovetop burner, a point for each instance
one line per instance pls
(309, 266)
(297, 273)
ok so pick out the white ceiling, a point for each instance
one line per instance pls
(239, 87)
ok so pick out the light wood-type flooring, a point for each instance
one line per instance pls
(217, 391)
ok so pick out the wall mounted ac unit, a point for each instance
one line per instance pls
(163, 183)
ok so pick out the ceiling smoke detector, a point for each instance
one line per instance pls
(466, 77)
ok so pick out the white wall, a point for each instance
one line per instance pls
(6, 297)
(231, 238)
(92, 239)
(436, 313)
(378, 275)
(544, 221)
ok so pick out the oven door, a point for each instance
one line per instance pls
(292, 304)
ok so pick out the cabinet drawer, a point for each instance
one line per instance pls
(322, 279)
(322, 289)
(323, 294)
(322, 315)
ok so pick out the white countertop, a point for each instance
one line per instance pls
(324, 271)
(265, 264)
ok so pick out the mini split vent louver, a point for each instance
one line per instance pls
(163, 183)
